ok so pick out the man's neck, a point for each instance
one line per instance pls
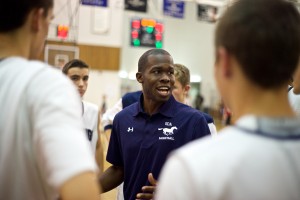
(151, 107)
(259, 102)
(13, 44)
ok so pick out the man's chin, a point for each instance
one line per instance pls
(164, 98)
(81, 94)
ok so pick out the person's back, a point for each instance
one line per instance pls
(241, 164)
(257, 157)
(27, 128)
(43, 150)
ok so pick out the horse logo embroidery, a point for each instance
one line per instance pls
(168, 131)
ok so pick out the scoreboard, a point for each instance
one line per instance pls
(146, 33)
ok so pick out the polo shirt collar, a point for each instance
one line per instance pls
(167, 109)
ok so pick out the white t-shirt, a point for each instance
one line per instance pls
(42, 140)
(90, 120)
(109, 115)
(239, 164)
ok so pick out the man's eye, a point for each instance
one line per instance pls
(86, 78)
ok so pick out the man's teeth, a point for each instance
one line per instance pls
(164, 90)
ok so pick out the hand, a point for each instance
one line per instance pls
(148, 191)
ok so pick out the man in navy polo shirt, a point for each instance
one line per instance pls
(145, 132)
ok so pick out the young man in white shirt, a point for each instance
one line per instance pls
(43, 151)
(257, 50)
(78, 71)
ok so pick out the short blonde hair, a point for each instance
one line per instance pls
(182, 74)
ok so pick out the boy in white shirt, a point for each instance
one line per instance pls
(257, 50)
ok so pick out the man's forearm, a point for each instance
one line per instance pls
(111, 178)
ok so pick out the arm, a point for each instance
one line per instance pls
(80, 187)
(62, 150)
(108, 117)
(114, 175)
(111, 178)
(107, 133)
(99, 147)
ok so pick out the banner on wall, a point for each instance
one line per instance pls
(101, 3)
(136, 5)
(174, 8)
(207, 13)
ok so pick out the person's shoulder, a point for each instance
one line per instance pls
(48, 72)
(130, 98)
(131, 108)
(208, 155)
(128, 110)
(209, 147)
(132, 94)
(224, 143)
(51, 82)
(208, 118)
(41, 74)
(187, 110)
(28, 66)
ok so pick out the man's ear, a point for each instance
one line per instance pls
(224, 62)
(139, 77)
(36, 21)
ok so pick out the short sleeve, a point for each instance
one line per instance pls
(62, 148)
(201, 128)
(109, 115)
(114, 152)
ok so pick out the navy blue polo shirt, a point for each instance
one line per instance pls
(208, 118)
(141, 143)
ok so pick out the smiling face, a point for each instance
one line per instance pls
(80, 77)
(157, 78)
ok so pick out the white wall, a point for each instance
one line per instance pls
(80, 18)
(103, 83)
(189, 41)
(108, 21)
(89, 25)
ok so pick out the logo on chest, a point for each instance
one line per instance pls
(168, 132)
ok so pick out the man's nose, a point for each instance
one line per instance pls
(81, 82)
(165, 77)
